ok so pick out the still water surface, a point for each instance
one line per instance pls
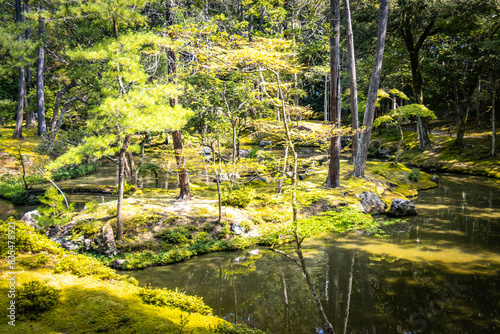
(438, 272)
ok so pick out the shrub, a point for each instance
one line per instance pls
(81, 266)
(89, 228)
(36, 261)
(34, 298)
(128, 189)
(207, 227)
(25, 238)
(414, 175)
(253, 151)
(177, 236)
(54, 210)
(239, 198)
(169, 298)
(202, 237)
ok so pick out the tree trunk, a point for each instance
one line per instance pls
(333, 177)
(18, 131)
(57, 104)
(364, 142)
(352, 77)
(121, 181)
(30, 115)
(325, 105)
(60, 119)
(493, 120)
(416, 76)
(283, 173)
(40, 102)
(478, 103)
(185, 192)
(133, 171)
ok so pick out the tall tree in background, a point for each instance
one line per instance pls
(332, 180)
(185, 191)
(40, 102)
(364, 142)
(416, 22)
(352, 78)
(30, 115)
(18, 131)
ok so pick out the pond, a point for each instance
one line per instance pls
(438, 272)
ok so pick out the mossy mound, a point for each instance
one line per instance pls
(93, 298)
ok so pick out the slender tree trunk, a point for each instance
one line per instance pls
(121, 181)
(478, 103)
(235, 148)
(60, 119)
(30, 115)
(400, 141)
(325, 105)
(133, 171)
(493, 121)
(333, 177)
(18, 131)
(42, 127)
(185, 191)
(352, 77)
(364, 142)
(57, 104)
(283, 173)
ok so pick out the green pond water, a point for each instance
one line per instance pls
(438, 272)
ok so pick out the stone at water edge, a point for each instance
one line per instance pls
(264, 143)
(106, 241)
(435, 179)
(237, 229)
(67, 243)
(117, 264)
(401, 207)
(206, 150)
(371, 203)
(30, 218)
(244, 153)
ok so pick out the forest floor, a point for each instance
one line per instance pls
(92, 298)
(472, 157)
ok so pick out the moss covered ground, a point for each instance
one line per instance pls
(472, 157)
(93, 299)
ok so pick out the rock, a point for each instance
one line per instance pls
(106, 241)
(435, 178)
(244, 153)
(401, 208)
(254, 252)
(117, 264)
(87, 243)
(206, 150)
(53, 231)
(237, 229)
(264, 143)
(384, 151)
(302, 176)
(258, 178)
(32, 199)
(67, 243)
(30, 218)
(238, 259)
(371, 203)
(225, 177)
